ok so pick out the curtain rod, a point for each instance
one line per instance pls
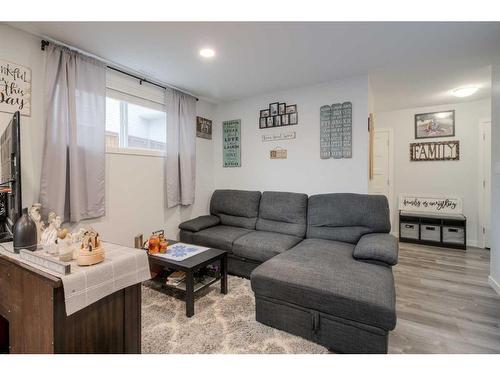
(45, 43)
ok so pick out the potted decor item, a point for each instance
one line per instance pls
(91, 251)
(25, 233)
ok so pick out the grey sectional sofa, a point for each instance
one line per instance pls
(320, 266)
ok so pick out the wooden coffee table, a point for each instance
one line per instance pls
(190, 266)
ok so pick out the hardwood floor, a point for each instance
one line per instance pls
(444, 302)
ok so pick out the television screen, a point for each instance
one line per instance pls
(10, 173)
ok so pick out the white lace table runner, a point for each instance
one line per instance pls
(122, 267)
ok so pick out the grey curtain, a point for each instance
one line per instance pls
(180, 162)
(73, 168)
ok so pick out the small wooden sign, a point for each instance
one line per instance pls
(278, 136)
(278, 153)
(15, 88)
(435, 151)
(424, 203)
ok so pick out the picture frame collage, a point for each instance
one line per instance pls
(278, 114)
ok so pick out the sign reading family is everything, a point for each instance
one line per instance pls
(15, 88)
(422, 203)
(231, 143)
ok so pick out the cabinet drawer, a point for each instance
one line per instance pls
(430, 232)
(454, 235)
(409, 230)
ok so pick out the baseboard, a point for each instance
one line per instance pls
(494, 284)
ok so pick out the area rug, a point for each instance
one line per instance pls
(221, 324)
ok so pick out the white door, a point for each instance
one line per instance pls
(485, 181)
(380, 183)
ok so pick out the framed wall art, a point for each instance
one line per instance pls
(278, 114)
(231, 153)
(15, 88)
(203, 128)
(435, 124)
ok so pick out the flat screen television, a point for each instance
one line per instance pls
(10, 177)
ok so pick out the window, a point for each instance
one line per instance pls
(132, 125)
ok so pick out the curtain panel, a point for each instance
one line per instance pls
(73, 169)
(180, 172)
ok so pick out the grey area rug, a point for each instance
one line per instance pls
(221, 324)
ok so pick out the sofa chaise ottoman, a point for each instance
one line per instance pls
(320, 267)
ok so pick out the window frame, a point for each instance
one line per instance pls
(123, 99)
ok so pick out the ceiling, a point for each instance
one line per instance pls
(410, 64)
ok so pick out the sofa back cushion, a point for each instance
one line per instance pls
(283, 213)
(237, 208)
(346, 217)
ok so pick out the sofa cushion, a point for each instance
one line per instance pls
(261, 246)
(219, 237)
(346, 217)
(322, 275)
(200, 223)
(283, 213)
(238, 208)
(377, 247)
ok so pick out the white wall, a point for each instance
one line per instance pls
(134, 184)
(495, 180)
(442, 178)
(303, 170)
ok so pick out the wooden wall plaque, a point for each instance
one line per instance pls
(435, 151)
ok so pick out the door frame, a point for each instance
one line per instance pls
(482, 201)
(390, 172)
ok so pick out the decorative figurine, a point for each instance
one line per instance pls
(91, 251)
(64, 245)
(49, 235)
(36, 215)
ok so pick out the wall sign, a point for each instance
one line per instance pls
(336, 131)
(278, 153)
(231, 144)
(278, 114)
(435, 151)
(278, 136)
(15, 88)
(422, 203)
(203, 128)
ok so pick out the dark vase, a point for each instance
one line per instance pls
(25, 233)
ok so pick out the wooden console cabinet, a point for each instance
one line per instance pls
(33, 317)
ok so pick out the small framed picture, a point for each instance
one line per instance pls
(273, 109)
(277, 120)
(264, 113)
(294, 118)
(291, 108)
(284, 119)
(282, 109)
(269, 122)
(262, 123)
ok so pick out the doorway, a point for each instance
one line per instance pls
(484, 183)
(381, 182)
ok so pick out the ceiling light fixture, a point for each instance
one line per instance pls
(462, 92)
(207, 52)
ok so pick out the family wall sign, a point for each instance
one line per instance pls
(15, 88)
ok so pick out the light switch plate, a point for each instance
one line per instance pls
(497, 168)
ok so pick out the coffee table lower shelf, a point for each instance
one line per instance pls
(190, 266)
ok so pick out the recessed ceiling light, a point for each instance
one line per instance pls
(207, 52)
(462, 92)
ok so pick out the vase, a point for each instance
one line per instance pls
(25, 233)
